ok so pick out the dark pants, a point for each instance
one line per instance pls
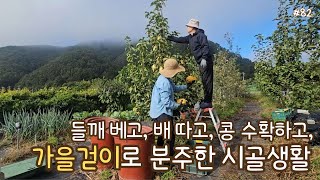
(207, 82)
(160, 141)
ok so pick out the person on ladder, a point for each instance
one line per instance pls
(201, 51)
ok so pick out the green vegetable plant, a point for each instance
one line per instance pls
(38, 125)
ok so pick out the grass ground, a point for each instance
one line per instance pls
(268, 105)
(11, 153)
(230, 109)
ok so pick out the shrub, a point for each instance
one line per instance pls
(114, 95)
(106, 174)
(280, 71)
(63, 98)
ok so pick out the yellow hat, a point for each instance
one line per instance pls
(171, 68)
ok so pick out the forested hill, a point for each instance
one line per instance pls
(76, 64)
(17, 61)
(39, 66)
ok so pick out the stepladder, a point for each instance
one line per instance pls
(211, 114)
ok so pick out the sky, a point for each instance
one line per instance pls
(70, 22)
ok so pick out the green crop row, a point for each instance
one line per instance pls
(108, 96)
(36, 125)
(63, 98)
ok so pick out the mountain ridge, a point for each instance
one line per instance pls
(36, 66)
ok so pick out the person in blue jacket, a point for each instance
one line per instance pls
(162, 98)
(200, 49)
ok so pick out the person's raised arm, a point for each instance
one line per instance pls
(184, 40)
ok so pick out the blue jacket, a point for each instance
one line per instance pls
(162, 99)
(198, 43)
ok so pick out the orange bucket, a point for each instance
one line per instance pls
(145, 151)
(107, 142)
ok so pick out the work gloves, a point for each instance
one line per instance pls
(182, 101)
(183, 104)
(190, 80)
(203, 63)
(170, 38)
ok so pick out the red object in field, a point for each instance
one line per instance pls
(192, 113)
(183, 115)
(145, 151)
(107, 142)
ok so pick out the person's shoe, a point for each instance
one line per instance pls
(205, 105)
(197, 106)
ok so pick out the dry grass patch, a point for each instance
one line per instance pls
(12, 154)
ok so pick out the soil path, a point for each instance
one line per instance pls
(249, 113)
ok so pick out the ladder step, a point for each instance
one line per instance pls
(205, 116)
(207, 109)
(215, 120)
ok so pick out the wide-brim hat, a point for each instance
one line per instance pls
(193, 23)
(171, 68)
